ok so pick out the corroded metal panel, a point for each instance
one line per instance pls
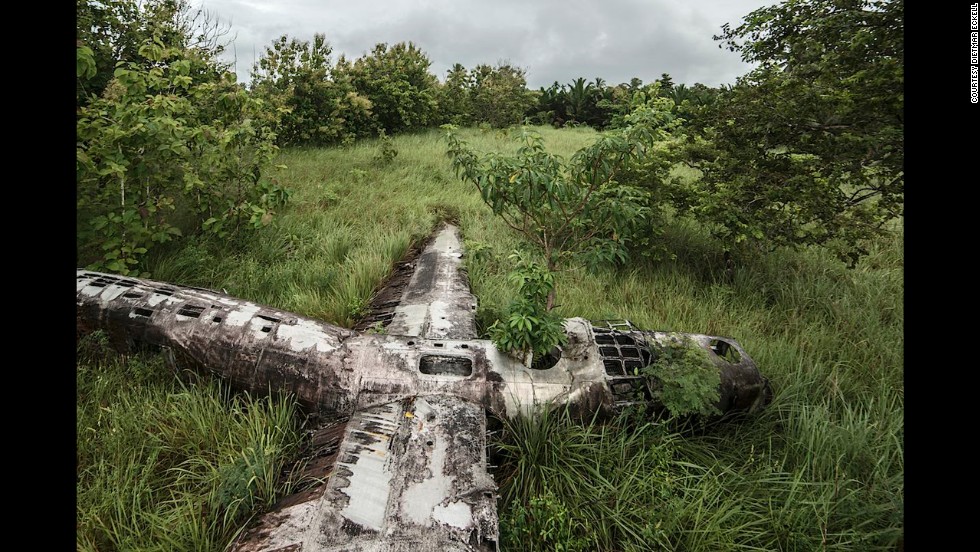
(410, 475)
(253, 346)
(437, 302)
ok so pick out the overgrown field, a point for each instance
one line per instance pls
(165, 465)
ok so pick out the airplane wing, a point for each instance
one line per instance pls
(404, 469)
(407, 475)
(404, 464)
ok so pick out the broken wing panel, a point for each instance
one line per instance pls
(410, 474)
(437, 302)
(254, 346)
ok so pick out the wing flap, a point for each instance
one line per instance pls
(410, 474)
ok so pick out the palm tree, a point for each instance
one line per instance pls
(578, 100)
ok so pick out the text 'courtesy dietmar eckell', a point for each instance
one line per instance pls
(974, 47)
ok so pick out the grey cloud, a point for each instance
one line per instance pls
(554, 40)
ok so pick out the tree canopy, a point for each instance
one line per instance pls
(397, 81)
(809, 147)
(306, 99)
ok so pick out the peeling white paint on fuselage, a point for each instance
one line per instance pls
(457, 514)
(409, 320)
(437, 302)
(156, 298)
(305, 334)
(242, 315)
(370, 471)
(111, 292)
(420, 498)
(440, 319)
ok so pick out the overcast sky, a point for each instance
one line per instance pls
(551, 39)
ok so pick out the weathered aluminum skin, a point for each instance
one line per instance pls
(409, 472)
(411, 475)
(327, 367)
(331, 369)
(437, 302)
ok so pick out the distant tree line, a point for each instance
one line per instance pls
(806, 149)
(602, 106)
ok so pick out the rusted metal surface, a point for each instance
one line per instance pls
(437, 302)
(404, 464)
(410, 475)
(625, 351)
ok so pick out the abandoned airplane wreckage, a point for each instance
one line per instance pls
(405, 466)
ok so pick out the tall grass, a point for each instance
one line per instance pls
(821, 469)
(166, 466)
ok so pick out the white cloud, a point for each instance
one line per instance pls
(552, 39)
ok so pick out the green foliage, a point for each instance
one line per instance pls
(166, 466)
(528, 324)
(547, 522)
(821, 468)
(499, 95)
(357, 307)
(645, 97)
(561, 207)
(387, 152)
(455, 97)
(253, 213)
(84, 63)
(569, 485)
(577, 103)
(651, 125)
(684, 379)
(809, 147)
(397, 82)
(164, 143)
(113, 31)
(306, 99)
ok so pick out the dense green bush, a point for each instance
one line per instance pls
(809, 147)
(527, 325)
(305, 99)
(160, 148)
(396, 80)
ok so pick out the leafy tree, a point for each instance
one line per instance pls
(567, 209)
(678, 94)
(304, 103)
(591, 209)
(163, 144)
(500, 95)
(552, 105)
(691, 104)
(579, 94)
(455, 101)
(580, 102)
(528, 326)
(114, 31)
(809, 147)
(631, 100)
(396, 80)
